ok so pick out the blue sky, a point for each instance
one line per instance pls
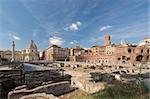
(69, 22)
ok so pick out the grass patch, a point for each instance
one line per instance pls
(119, 91)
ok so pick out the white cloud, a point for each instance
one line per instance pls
(74, 26)
(13, 36)
(56, 40)
(16, 37)
(73, 42)
(78, 23)
(105, 27)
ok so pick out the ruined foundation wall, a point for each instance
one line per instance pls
(54, 88)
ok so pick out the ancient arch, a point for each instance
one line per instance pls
(147, 51)
(147, 57)
(139, 58)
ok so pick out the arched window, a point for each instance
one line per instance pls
(128, 59)
(147, 57)
(129, 50)
(139, 58)
(142, 51)
(123, 57)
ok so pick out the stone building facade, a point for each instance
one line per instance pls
(8, 55)
(123, 54)
(146, 41)
(131, 54)
(97, 54)
(74, 52)
(29, 54)
(107, 54)
(107, 40)
(56, 53)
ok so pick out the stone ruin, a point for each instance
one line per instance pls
(56, 89)
(39, 96)
(9, 79)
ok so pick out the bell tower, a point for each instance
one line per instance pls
(107, 40)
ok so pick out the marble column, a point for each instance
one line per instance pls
(13, 52)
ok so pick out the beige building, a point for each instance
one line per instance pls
(8, 55)
(130, 54)
(97, 54)
(56, 53)
(146, 41)
(74, 52)
(123, 54)
(107, 54)
(29, 54)
(107, 40)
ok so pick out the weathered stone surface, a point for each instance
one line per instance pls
(84, 82)
(20, 87)
(117, 77)
(54, 88)
(39, 96)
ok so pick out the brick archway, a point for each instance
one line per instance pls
(139, 58)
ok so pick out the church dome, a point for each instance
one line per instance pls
(32, 45)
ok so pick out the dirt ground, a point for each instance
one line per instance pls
(75, 93)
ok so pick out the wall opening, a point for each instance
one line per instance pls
(147, 57)
(139, 58)
(147, 51)
(142, 51)
(123, 57)
(129, 50)
(123, 62)
(128, 59)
